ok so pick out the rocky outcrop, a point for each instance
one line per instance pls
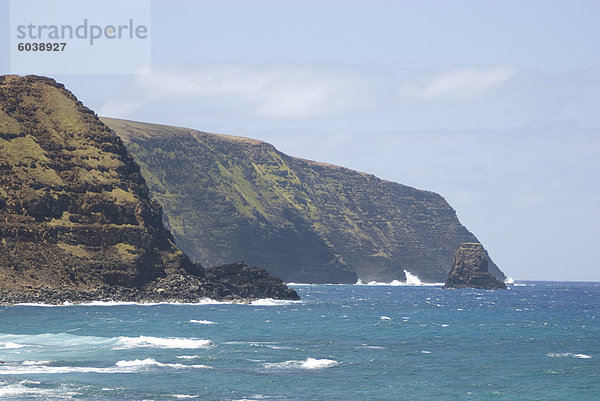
(76, 221)
(230, 198)
(470, 269)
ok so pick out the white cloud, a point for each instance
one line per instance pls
(274, 91)
(457, 84)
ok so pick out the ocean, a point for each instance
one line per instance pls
(535, 341)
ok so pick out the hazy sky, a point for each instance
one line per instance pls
(493, 104)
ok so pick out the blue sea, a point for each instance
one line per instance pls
(535, 341)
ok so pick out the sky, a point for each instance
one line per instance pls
(492, 104)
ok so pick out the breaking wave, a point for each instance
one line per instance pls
(309, 363)
(140, 363)
(28, 368)
(273, 302)
(411, 280)
(568, 355)
(160, 342)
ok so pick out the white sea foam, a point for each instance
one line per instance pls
(202, 321)
(385, 318)
(43, 369)
(141, 363)
(12, 345)
(188, 356)
(22, 390)
(161, 342)
(203, 301)
(273, 302)
(268, 344)
(509, 280)
(371, 346)
(29, 363)
(411, 280)
(119, 367)
(309, 363)
(568, 355)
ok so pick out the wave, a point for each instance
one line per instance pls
(73, 342)
(188, 356)
(509, 280)
(12, 345)
(22, 389)
(268, 344)
(568, 355)
(140, 363)
(161, 342)
(411, 280)
(202, 321)
(204, 301)
(30, 363)
(134, 366)
(371, 346)
(385, 318)
(309, 363)
(273, 302)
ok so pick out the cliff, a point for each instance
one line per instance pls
(470, 269)
(232, 198)
(76, 219)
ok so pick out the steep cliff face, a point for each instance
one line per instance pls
(470, 269)
(74, 208)
(228, 198)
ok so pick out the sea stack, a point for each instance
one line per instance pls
(470, 269)
(76, 220)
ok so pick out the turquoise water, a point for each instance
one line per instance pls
(538, 341)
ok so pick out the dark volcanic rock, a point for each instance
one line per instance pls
(76, 222)
(470, 269)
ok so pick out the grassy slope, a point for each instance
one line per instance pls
(230, 198)
(71, 195)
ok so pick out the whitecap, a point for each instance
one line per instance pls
(21, 390)
(29, 363)
(12, 345)
(203, 301)
(119, 367)
(385, 318)
(568, 355)
(509, 280)
(43, 369)
(188, 356)
(267, 344)
(273, 302)
(202, 321)
(371, 346)
(162, 342)
(309, 363)
(141, 363)
(411, 280)
(425, 352)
